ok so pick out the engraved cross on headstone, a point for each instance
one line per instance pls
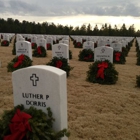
(34, 79)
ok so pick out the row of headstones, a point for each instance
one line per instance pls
(115, 42)
(6, 36)
(62, 50)
(58, 50)
(138, 41)
(45, 39)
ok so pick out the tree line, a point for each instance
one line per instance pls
(15, 26)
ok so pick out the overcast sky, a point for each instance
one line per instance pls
(74, 12)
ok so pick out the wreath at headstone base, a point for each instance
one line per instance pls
(137, 80)
(39, 52)
(49, 46)
(5, 43)
(19, 62)
(102, 72)
(70, 54)
(86, 55)
(34, 45)
(78, 45)
(29, 124)
(61, 63)
(119, 57)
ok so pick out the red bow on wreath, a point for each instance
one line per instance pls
(48, 45)
(19, 126)
(58, 64)
(5, 42)
(88, 57)
(101, 67)
(118, 54)
(39, 50)
(78, 44)
(33, 44)
(20, 60)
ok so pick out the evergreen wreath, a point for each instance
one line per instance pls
(14, 47)
(34, 45)
(102, 72)
(49, 46)
(70, 54)
(138, 53)
(39, 52)
(60, 63)
(78, 45)
(86, 55)
(138, 81)
(125, 51)
(119, 57)
(32, 124)
(138, 61)
(19, 62)
(5, 43)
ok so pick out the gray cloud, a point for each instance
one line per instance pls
(73, 7)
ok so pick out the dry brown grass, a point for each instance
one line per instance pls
(95, 112)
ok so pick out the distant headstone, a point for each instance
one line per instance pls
(6, 37)
(33, 39)
(117, 47)
(41, 42)
(103, 53)
(60, 50)
(88, 45)
(49, 40)
(64, 41)
(42, 86)
(101, 43)
(24, 47)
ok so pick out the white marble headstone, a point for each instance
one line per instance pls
(117, 47)
(88, 45)
(42, 86)
(60, 50)
(103, 53)
(64, 41)
(6, 37)
(24, 47)
(33, 39)
(49, 40)
(101, 43)
(41, 42)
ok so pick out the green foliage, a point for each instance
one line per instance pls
(42, 52)
(64, 64)
(25, 63)
(49, 46)
(27, 27)
(138, 61)
(138, 80)
(138, 53)
(78, 45)
(110, 74)
(70, 54)
(41, 124)
(34, 45)
(125, 51)
(14, 47)
(86, 55)
(121, 60)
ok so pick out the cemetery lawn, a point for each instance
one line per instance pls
(95, 111)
